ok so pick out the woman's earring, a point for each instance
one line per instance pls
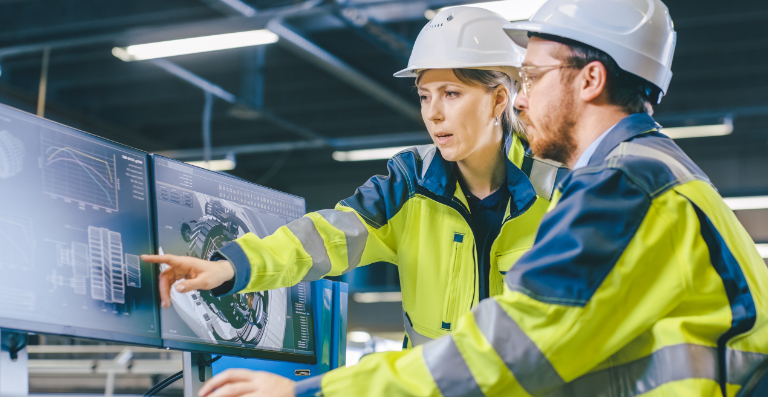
(497, 121)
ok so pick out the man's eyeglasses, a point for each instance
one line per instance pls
(527, 78)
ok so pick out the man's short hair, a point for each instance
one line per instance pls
(631, 93)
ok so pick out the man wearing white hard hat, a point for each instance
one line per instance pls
(453, 216)
(656, 289)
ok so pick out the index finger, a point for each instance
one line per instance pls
(228, 376)
(164, 282)
(160, 258)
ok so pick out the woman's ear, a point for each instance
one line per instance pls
(501, 98)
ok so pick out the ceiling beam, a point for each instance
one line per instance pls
(396, 139)
(231, 7)
(335, 66)
(221, 93)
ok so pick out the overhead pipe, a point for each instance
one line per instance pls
(219, 92)
(376, 33)
(358, 142)
(207, 116)
(255, 22)
(193, 79)
(231, 7)
(331, 64)
(41, 93)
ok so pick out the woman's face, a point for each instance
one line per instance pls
(458, 116)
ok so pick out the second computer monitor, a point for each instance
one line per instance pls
(198, 212)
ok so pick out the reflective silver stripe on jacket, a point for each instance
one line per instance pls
(427, 154)
(354, 230)
(538, 377)
(634, 149)
(544, 176)
(668, 364)
(415, 337)
(741, 365)
(304, 229)
(531, 368)
(449, 370)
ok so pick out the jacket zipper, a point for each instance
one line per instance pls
(451, 304)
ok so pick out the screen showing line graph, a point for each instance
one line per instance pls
(75, 215)
(80, 170)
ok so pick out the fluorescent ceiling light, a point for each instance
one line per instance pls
(368, 154)
(215, 165)
(763, 250)
(376, 297)
(194, 45)
(747, 203)
(699, 131)
(358, 336)
(512, 10)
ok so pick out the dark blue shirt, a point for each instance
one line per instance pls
(487, 215)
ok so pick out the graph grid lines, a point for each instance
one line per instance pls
(81, 171)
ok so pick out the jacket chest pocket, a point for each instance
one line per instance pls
(453, 294)
(506, 259)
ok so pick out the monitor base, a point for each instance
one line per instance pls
(14, 371)
(197, 369)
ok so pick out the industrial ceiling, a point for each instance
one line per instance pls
(328, 82)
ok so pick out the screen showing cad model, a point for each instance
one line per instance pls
(198, 212)
(74, 218)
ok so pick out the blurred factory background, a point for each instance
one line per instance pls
(285, 113)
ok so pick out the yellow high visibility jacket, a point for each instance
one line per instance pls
(641, 281)
(417, 218)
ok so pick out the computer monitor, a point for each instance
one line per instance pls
(199, 211)
(75, 214)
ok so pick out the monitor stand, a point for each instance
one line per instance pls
(14, 373)
(197, 369)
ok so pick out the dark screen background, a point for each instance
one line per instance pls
(74, 216)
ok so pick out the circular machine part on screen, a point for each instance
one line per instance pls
(238, 318)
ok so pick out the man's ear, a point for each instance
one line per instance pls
(594, 79)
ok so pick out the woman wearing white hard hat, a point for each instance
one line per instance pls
(453, 216)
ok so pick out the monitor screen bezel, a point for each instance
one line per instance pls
(226, 350)
(83, 332)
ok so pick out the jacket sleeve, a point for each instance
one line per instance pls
(601, 272)
(363, 229)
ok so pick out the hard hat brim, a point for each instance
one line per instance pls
(518, 31)
(407, 72)
(511, 71)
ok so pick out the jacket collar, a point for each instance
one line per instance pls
(628, 128)
(441, 178)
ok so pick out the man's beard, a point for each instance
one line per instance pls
(554, 136)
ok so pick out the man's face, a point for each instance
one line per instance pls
(549, 108)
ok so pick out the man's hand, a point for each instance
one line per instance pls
(243, 382)
(198, 274)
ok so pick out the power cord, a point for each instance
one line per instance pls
(163, 384)
(173, 378)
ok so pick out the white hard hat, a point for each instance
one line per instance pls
(637, 34)
(465, 38)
